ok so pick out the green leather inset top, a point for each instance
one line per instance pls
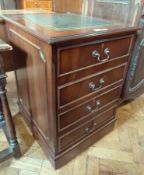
(65, 21)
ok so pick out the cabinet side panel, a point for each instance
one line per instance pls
(32, 65)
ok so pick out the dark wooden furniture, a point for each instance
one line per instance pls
(69, 81)
(6, 121)
(134, 84)
(5, 5)
(7, 56)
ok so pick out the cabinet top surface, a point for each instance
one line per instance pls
(64, 21)
(52, 26)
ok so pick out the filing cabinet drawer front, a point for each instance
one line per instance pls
(85, 129)
(92, 70)
(77, 58)
(70, 93)
(88, 109)
(43, 4)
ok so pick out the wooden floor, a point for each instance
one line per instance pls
(121, 152)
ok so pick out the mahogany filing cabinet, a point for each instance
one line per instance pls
(69, 82)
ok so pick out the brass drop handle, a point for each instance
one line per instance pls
(92, 109)
(89, 108)
(106, 52)
(96, 54)
(93, 87)
(98, 103)
(91, 129)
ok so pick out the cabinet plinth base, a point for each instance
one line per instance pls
(61, 159)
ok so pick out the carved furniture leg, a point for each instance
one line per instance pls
(6, 121)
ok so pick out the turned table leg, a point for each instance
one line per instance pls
(6, 120)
